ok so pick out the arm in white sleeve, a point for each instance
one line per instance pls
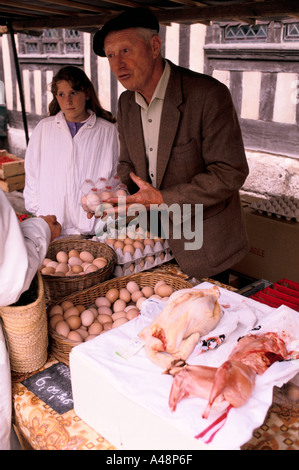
(32, 163)
(23, 247)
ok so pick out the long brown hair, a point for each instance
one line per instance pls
(79, 82)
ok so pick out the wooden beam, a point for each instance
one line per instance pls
(80, 6)
(35, 8)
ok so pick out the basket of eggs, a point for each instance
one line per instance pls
(72, 265)
(84, 315)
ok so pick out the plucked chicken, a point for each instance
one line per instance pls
(174, 333)
(234, 380)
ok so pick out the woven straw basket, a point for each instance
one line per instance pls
(61, 347)
(26, 331)
(59, 287)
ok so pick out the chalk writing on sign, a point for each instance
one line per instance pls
(53, 386)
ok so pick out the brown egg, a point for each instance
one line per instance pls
(150, 242)
(86, 256)
(138, 244)
(95, 328)
(75, 336)
(124, 294)
(77, 269)
(66, 304)
(158, 283)
(147, 291)
(102, 318)
(74, 322)
(139, 302)
(112, 294)
(107, 326)
(91, 269)
(119, 244)
(81, 308)
(136, 295)
(63, 267)
(119, 322)
(110, 241)
(54, 320)
(82, 332)
(128, 241)
(74, 253)
(46, 261)
(117, 315)
(70, 312)
(74, 261)
(48, 270)
(62, 328)
(129, 249)
(119, 305)
(56, 309)
(132, 314)
(100, 262)
(52, 264)
(164, 290)
(89, 337)
(62, 257)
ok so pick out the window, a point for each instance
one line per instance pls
(291, 32)
(241, 33)
(52, 41)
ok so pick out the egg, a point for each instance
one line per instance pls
(81, 308)
(87, 317)
(93, 200)
(105, 310)
(62, 267)
(75, 336)
(73, 253)
(48, 270)
(132, 286)
(52, 264)
(74, 322)
(102, 318)
(112, 294)
(147, 291)
(119, 305)
(89, 337)
(77, 269)
(70, 312)
(138, 244)
(86, 256)
(82, 332)
(158, 283)
(94, 311)
(150, 259)
(110, 241)
(91, 269)
(62, 257)
(139, 302)
(129, 249)
(54, 320)
(132, 314)
(119, 244)
(107, 326)
(75, 261)
(95, 328)
(150, 242)
(66, 304)
(62, 328)
(59, 274)
(119, 322)
(136, 295)
(124, 294)
(46, 261)
(164, 290)
(128, 241)
(117, 315)
(56, 309)
(100, 262)
(102, 301)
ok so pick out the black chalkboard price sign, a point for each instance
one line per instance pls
(53, 386)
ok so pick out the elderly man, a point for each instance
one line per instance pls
(23, 247)
(180, 143)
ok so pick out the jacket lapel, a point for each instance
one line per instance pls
(169, 121)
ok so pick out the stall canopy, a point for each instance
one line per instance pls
(31, 17)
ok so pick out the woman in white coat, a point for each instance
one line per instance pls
(78, 141)
(23, 247)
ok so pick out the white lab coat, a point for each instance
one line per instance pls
(56, 165)
(23, 247)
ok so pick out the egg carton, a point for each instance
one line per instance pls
(279, 206)
(140, 260)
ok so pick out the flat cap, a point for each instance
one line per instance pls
(132, 18)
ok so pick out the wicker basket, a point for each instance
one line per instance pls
(26, 331)
(61, 347)
(59, 287)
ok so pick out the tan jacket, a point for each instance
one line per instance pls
(201, 160)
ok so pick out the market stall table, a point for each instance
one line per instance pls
(40, 427)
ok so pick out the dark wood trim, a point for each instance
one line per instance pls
(267, 96)
(272, 137)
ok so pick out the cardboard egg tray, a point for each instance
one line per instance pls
(141, 260)
(279, 206)
(282, 292)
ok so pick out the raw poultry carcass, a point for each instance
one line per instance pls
(174, 333)
(234, 380)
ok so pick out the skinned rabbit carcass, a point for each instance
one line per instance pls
(174, 333)
(234, 380)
